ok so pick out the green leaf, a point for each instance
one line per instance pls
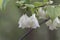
(45, 0)
(29, 5)
(4, 3)
(32, 10)
(38, 4)
(1, 2)
(58, 10)
(26, 1)
(23, 0)
(53, 12)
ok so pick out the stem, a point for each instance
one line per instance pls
(32, 30)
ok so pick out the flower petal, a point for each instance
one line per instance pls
(49, 22)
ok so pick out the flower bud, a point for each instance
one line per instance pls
(41, 13)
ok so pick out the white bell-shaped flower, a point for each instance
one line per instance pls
(50, 25)
(28, 22)
(34, 22)
(41, 13)
(23, 21)
(50, 2)
(56, 22)
(53, 25)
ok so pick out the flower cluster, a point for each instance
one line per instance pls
(28, 22)
(43, 12)
(53, 24)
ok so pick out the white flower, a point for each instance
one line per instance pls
(17, 2)
(23, 21)
(34, 20)
(28, 22)
(41, 13)
(56, 22)
(50, 2)
(53, 25)
(50, 25)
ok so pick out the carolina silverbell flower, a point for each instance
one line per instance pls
(28, 22)
(41, 13)
(50, 2)
(22, 21)
(53, 24)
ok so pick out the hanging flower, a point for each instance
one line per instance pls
(50, 2)
(28, 22)
(53, 25)
(41, 13)
(34, 22)
(56, 22)
(23, 21)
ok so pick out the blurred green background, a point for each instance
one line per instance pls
(9, 25)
